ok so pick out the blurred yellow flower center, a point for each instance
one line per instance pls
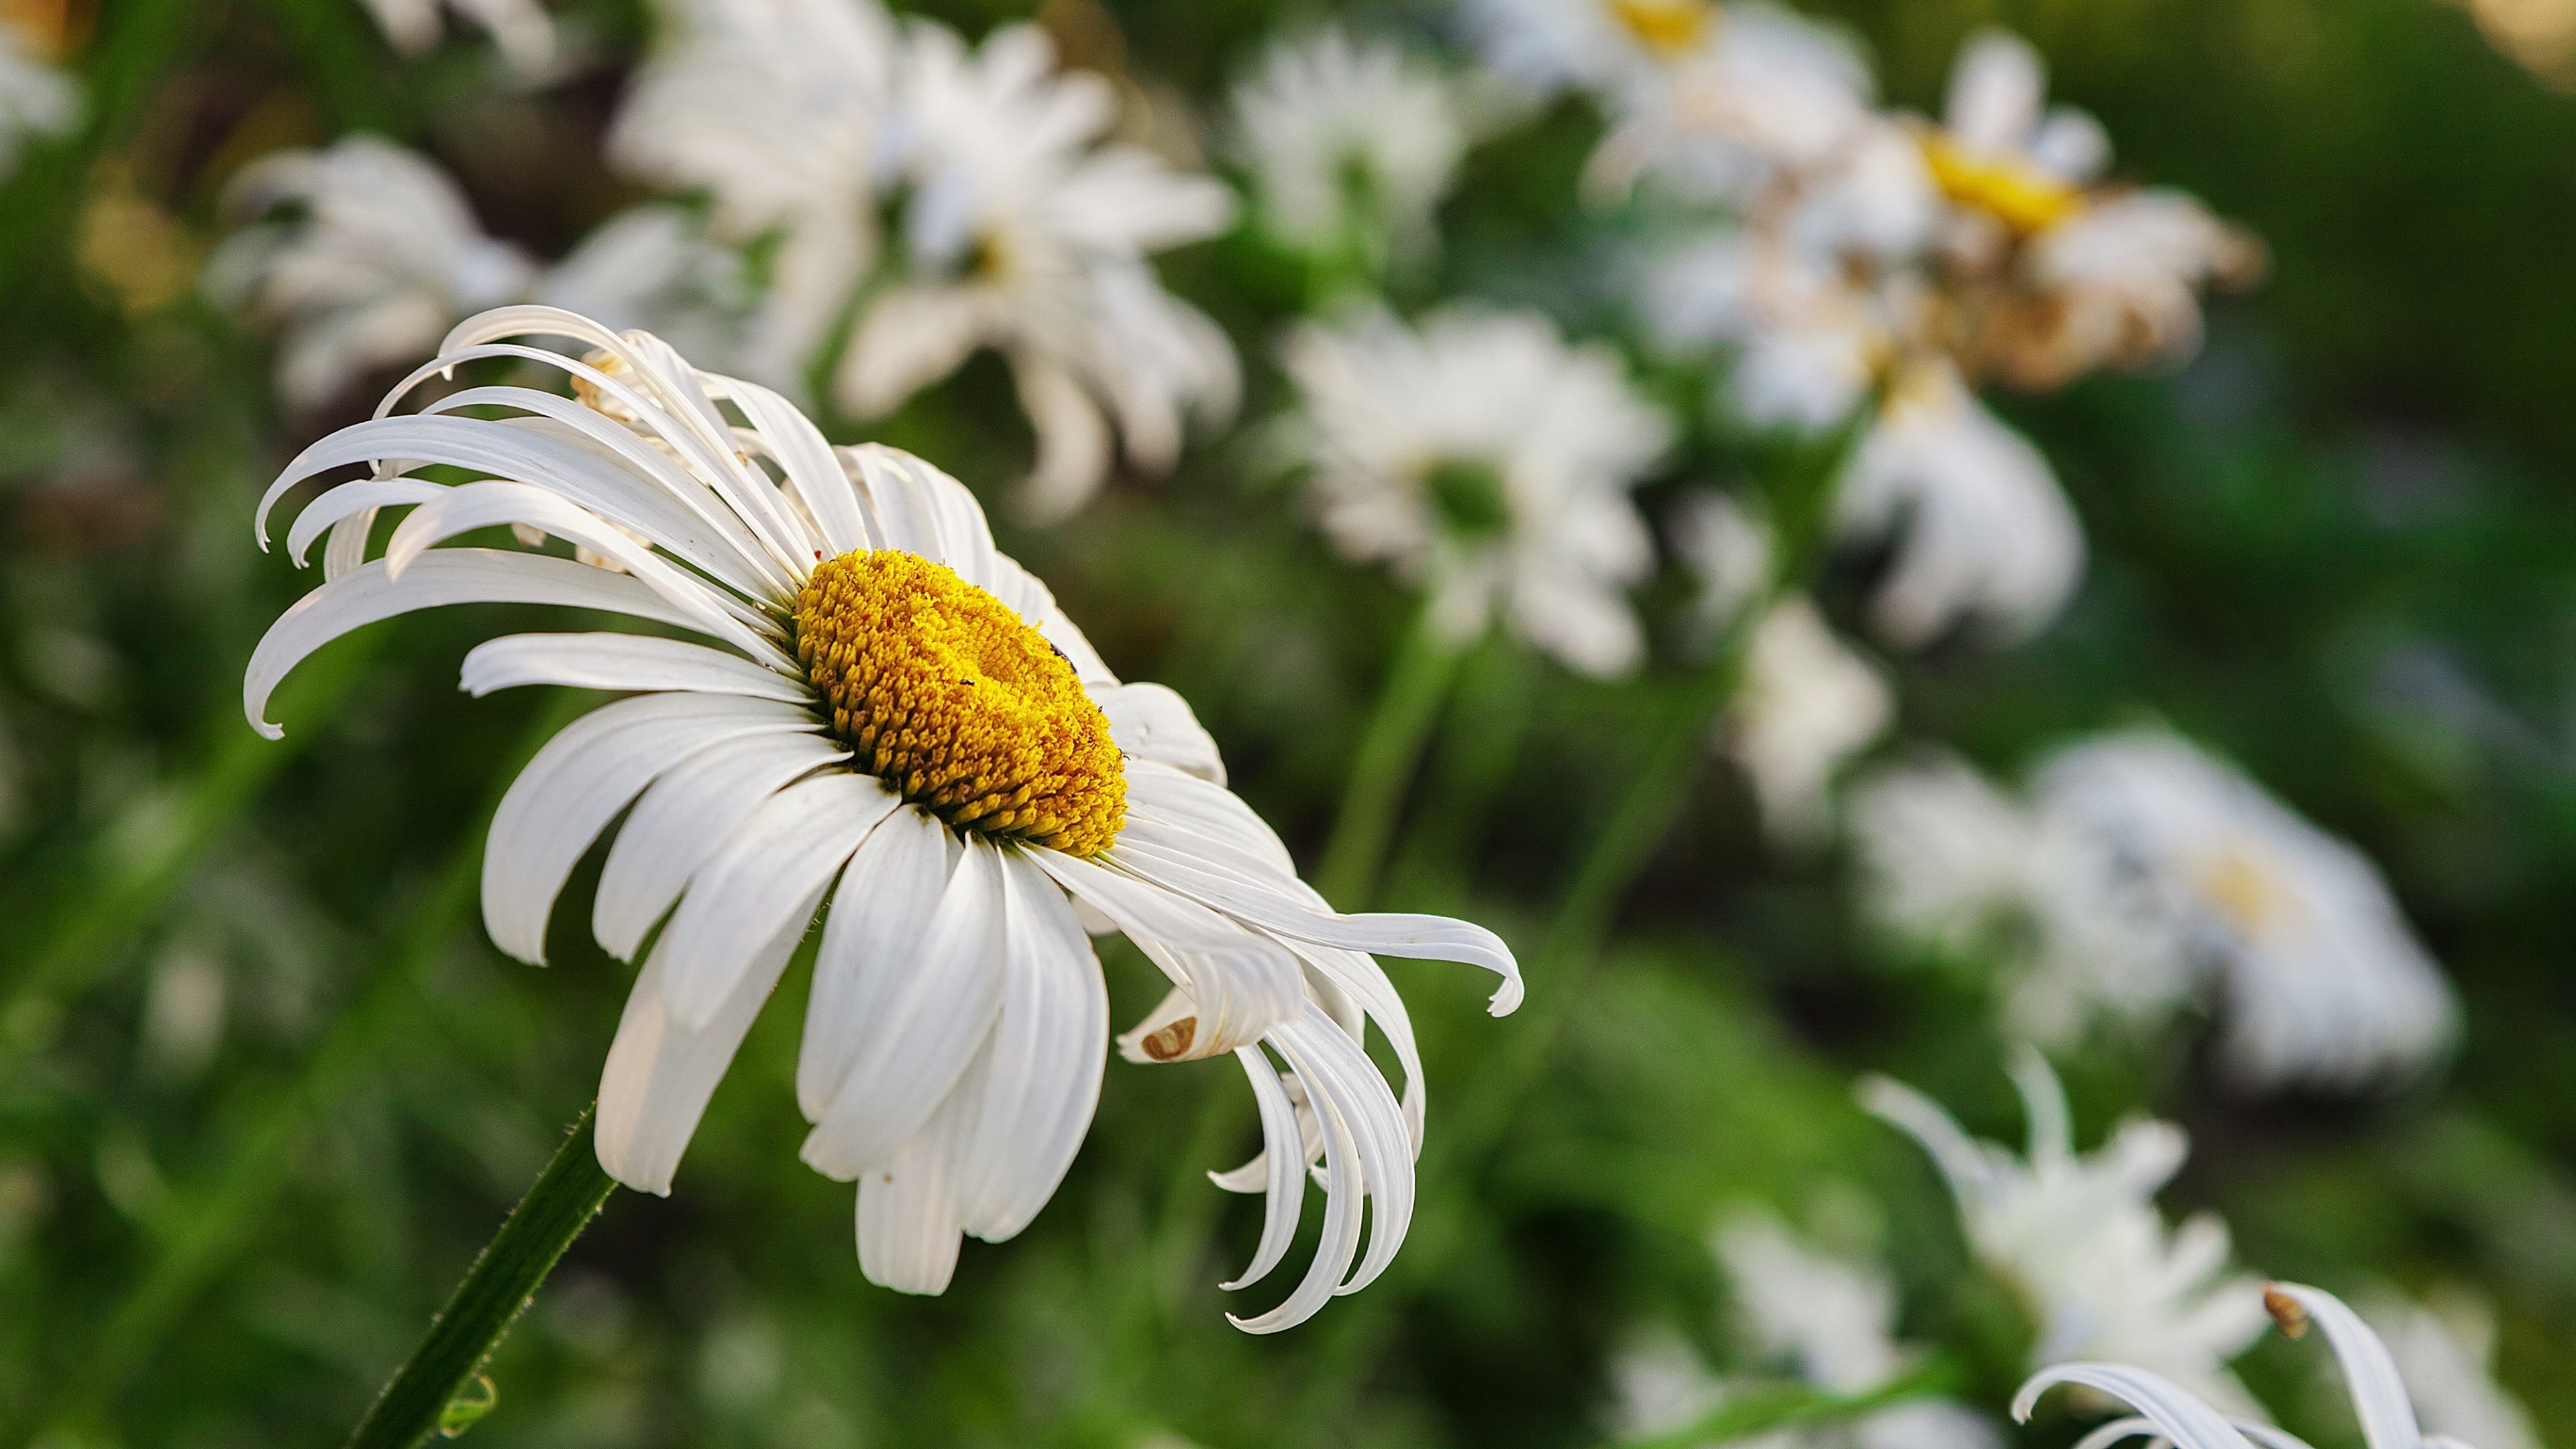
(959, 705)
(2241, 888)
(1669, 26)
(2012, 190)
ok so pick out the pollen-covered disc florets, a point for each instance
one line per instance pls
(953, 700)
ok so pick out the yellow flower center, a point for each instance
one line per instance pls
(1666, 26)
(950, 698)
(2010, 189)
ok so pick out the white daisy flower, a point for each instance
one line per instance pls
(1020, 232)
(1989, 541)
(1953, 865)
(1762, 97)
(1830, 1322)
(877, 710)
(2080, 1240)
(2177, 1414)
(1350, 145)
(2324, 981)
(1488, 461)
(1806, 703)
(371, 254)
(775, 110)
(520, 29)
(36, 99)
(2444, 1350)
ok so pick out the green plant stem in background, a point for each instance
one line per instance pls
(1390, 749)
(1783, 1406)
(504, 1278)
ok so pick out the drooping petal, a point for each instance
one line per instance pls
(908, 1231)
(2378, 1395)
(872, 943)
(1242, 983)
(2178, 1416)
(1282, 1161)
(682, 819)
(579, 782)
(660, 1073)
(937, 1021)
(782, 855)
(367, 595)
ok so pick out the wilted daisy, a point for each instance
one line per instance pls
(361, 255)
(2324, 982)
(1349, 145)
(2053, 274)
(1830, 1323)
(1019, 230)
(36, 99)
(1489, 462)
(2177, 1414)
(880, 715)
(2080, 1240)
(2444, 1352)
(774, 110)
(1953, 865)
(1806, 704)
(519, 29)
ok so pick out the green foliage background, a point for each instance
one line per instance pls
(2340, 548)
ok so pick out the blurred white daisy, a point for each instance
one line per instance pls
(520, 29)
(1986, 540)
(1489, 462)
(1729, 550)
(1828, 1322)
(361, 255)
(1609, 48)
(1020, 231)
(881, 711)
(36, 98)
(2444, 1351)
(1805, 704)
(1349, 145)
(1951, 864)
(2080, 1240)
(775, 110)
(1764, 97)
(2174, 1413)
(2324, 982)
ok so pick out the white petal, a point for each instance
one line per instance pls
(907, 1227)
(1035, 1103)
(366, 595)
(660, 1073)
(1283, 1152)
(1072, 436)
(579, 782)
(871, 947)
(1259, 903)
(638, 662)
(2188, 1422)
(1243, 983)
(1345, 1189)
(2378, 1394)
(780, 857)
(939, 1018)
(682, 819)
(802, 451)
(352, 500)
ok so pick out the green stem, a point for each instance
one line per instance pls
(1782, 1406)
(1390, 748)
(504, 1278)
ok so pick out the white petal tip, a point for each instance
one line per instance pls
(267, 731)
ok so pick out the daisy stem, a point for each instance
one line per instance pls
(426, 1395)
(1390, 748)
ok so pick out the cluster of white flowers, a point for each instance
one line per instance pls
(2139, 869)
(914, 199)
(1873, 270)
